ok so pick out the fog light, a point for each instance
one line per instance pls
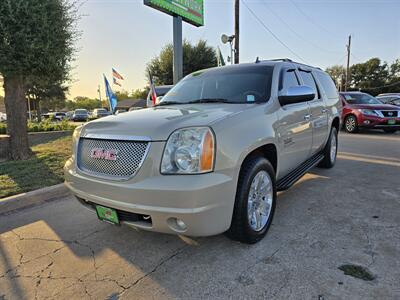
(176, 224)
(366, 122)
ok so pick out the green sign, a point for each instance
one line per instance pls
(191, 11)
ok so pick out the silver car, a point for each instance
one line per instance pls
(212, 155)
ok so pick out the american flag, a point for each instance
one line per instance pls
(152, 90)
(116, 82)
(116, 74)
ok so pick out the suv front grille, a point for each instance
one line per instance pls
(126, 159)
(390, 113)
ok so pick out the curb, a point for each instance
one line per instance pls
(18, 202)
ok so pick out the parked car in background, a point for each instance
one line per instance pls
(390, 98)
(361, 110)
(80, 114)
(212, 155)
(160, 92)
(59, 116)
(100, 112)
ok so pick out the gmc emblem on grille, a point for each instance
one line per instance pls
(390, 113)
(106, 154)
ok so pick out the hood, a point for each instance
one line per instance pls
(375, 106)
(157, 123)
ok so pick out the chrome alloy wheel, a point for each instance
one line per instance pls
(333, 147)
(350, 124)
(260, 199)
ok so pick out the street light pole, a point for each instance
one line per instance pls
(178, 49)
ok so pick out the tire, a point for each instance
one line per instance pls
(389, 130)
(350, 124)
(330, 150)
(242, 227)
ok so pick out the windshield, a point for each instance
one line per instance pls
(81, 111)
(244, 84)
(361, 99)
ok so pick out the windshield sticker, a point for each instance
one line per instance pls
(251, 98)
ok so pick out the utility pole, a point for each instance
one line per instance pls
(98, 90)
(237, 6)
(348, 46)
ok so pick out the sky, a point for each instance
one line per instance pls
(126, 34)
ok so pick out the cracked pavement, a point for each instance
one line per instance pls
(347, 215)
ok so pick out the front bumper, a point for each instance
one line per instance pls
(377, 122)
(203, 202)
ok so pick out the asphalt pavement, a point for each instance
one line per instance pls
(332, 222)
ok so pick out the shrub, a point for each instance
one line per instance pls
(46, 125)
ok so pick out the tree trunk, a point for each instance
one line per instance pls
(15, 101)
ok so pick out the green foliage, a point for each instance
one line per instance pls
(46, 125)
(195, 57)
(36, 38)
(372, 76)
(84, 102)
(140, 93)
(338, 74)
(122, 95)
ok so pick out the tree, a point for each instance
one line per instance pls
(122, 95)
(140, 93)
(195, 57)
(36, 44)
(370, 76)
(47, 95)
(338, 74)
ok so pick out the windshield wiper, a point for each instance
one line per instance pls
(211, 100)
(168, 103)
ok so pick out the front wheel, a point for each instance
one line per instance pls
(350, 124)
(255, 201)
(330, 150)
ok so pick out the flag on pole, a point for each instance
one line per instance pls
(116, 82)
(112, 99)
(220, 58)
(152, 90)
(116, 74)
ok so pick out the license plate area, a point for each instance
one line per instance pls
(107, 214)
(391, 122)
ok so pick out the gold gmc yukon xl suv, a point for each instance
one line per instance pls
(211, 156)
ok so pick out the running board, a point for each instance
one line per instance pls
(286, 182)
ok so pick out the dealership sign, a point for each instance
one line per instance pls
(191, 11)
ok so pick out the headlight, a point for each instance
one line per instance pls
(369, 112)
(75, 139)
(189, 151)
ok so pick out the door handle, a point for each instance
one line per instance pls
(307, 117)
(324, 110)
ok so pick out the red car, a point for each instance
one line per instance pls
(361, 110)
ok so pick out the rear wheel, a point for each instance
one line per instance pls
(255, 201)
(350, 124)
(330, 151)
(389, 130)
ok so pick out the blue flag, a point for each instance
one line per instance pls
(110, 95)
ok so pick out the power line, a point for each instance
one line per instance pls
(311, 20)
(271, 32)
(296, 33)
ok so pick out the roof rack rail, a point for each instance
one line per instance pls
(282, 59)
(289, 60)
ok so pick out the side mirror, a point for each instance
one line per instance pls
(296, 94)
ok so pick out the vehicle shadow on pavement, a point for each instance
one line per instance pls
(61, 250)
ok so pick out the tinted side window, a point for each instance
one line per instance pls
(309, 80)
(288, 80)
(328, 85)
